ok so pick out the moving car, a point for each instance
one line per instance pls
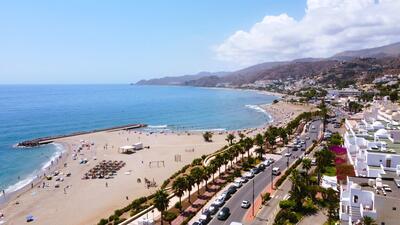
(288, 154)
(276, 171)
(224, 213)
(245, 204)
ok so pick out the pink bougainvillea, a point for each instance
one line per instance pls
(339, 160)
(338, 150)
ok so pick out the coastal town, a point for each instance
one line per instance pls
(206, 112)
(328, 155)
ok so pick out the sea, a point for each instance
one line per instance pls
(33, 111)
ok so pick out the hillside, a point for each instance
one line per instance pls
(349, 65)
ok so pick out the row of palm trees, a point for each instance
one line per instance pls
(202, 173)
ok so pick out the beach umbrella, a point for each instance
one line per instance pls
(29, 218)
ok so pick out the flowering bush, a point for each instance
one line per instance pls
(339, 160)
(338, 150)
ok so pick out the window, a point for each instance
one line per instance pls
(394, 208)
(355, 198)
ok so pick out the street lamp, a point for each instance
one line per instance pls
(272, 176)
(253, 197)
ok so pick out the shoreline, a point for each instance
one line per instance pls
(37, 178)
(164, 144)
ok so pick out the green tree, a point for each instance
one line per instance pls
(170, 216)
(394, 96)
(241, 136)
(197, 173)
(229, 138)
(247, 145)
(366, 220)
(207, 136)
(179, 186)
(306, 164)
(161, 202)
(189, 182)
(259, 141)
(298, 190)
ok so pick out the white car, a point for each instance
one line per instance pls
(245, 204)
(219, 202)
(249, 175)
(288, 154)
(237, 183)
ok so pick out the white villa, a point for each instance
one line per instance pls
(372, 140)
(377, 198)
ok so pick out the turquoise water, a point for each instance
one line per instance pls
(31, 111)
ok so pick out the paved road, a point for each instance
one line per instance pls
(261, 181)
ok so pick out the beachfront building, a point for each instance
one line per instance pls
(372, 140)
(377, 198)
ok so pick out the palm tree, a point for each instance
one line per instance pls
(241, 149)
(197, 173)
(231, 155)
(366, 220)
(259, 141)
(248, 144)
(179, 186)
(283, 135)
(225, 159)
(161, 202)
(213, 169)
(189, 184)
(206, 175)
(306, 164)
(218, 160)
(298, 190)
(230, 138)
(241, 136)
(207, 136)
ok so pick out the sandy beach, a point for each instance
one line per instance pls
(80, 202)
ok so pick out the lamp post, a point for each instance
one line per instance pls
(272, 176)
(253, 198)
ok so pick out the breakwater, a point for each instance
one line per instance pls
(47, 140)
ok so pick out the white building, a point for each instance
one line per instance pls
(373, 140)
(377, 198)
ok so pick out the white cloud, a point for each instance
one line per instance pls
(328, 27)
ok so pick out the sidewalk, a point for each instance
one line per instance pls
(267, 213)
(317, 218)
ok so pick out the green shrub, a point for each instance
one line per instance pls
(169, 216)
(178, 205)
(103, 222)
(266, 197)
(287, 204)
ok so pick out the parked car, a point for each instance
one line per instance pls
(204, 218)
(249, 175)
(261, 167)
(212, 209)
(220, 201)
(232, 189)
(255, 170)
(245, 204)
(244, 179)
(224, 213)
(197, 223)
(237, 183)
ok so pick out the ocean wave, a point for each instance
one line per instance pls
(212, 130)
(261, 110)
(157, 126)
(32, 176)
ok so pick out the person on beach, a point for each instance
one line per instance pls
(106, 184)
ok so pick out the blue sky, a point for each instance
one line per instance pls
(123, 41)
